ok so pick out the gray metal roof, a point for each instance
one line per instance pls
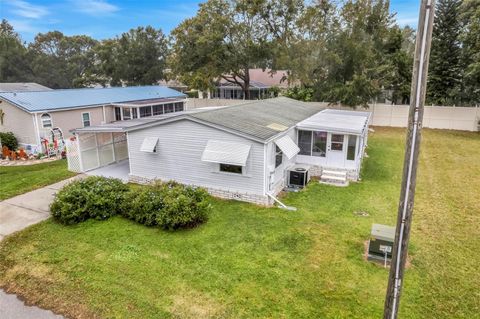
(261, 119)
(352, 122)
(20, 86)
(73, 98)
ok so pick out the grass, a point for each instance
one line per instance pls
(252, 262)
(16, 180)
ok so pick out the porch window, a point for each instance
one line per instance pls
(157, 109)
(86, 119)
(337, 142)
(352, 142)
(278, 156)
(236, 169)
(319, 144)
(305, 142)
(46, 120)
(145, 111)
(179, 107)
(169, 108)
(118, 114)
(134, 113)
(126, 113)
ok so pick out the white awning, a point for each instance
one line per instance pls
(288, 146)
(226, 153)
(149, 144)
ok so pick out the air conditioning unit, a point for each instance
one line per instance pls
(298, 176)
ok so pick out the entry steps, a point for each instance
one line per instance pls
(336, 178)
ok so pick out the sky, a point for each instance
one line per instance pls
(103, 19)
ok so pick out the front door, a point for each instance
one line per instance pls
(336, 150)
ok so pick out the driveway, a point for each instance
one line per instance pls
(17, 213)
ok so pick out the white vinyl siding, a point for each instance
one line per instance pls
(181, 145)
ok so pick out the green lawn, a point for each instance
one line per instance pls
(251, 262)
(16, 180)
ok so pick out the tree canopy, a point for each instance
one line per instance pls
(350, 52)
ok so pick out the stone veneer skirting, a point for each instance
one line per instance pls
(221, 193)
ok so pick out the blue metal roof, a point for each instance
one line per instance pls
(72, 98)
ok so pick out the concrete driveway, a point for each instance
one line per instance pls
(17, 213)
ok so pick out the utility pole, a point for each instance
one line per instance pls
(407, 195)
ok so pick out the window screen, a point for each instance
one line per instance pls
(231, 168)
(305, 142)
(352, 141)
(337, 142)
(145, 111)
(278, 156)
(319, 144)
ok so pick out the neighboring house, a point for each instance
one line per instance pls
(260, 83)
(31, 116)
(28, 86)
(243, 152)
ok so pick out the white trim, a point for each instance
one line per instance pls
(36, 128)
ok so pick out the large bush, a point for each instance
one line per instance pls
(169, 205)
(93, 197)
(9, 140)
(143, 204)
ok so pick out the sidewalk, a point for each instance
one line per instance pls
(17, 213)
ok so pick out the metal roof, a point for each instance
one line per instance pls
(383, 232)
(352, 122)
(226, 153)
(262, 119)
(37, 101)
(27, 86)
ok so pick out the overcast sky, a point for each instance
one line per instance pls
(102, 19)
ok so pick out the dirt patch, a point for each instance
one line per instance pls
(193, 304)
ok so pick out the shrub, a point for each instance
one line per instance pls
(183, 206)
(142, 205)
(92, 197)
(9, 140)
(169, 205)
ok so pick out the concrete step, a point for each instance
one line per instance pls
(334, 178)
(334, 173)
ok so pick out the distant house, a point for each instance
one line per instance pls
(28, 86)
(33, 116)
(260, 83)
(247, 152)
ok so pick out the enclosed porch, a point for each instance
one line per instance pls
(333, 139)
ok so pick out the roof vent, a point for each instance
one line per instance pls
(277, 127)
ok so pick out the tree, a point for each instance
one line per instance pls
(14, 66)
(137, 57)
(356, 65)
(445, 71)
(223, 41)
(470, 56)
(60, 61)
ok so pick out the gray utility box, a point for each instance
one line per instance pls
(381, 242)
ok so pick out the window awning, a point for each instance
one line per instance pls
(226, 153)
(149, 144)
(288, 146)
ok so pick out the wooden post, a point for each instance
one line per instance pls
(407, 195)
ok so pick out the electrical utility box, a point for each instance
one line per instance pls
(380, 246)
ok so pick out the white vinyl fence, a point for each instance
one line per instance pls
(439, 117)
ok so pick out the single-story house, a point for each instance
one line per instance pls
(35, 116)
(261, 80)
(248, 152)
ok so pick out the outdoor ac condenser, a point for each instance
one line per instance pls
(298, 176)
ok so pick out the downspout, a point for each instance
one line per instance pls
(281, 205)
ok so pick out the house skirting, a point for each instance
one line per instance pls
(263, 200)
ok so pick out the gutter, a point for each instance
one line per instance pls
(281, 205)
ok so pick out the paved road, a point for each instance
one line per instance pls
(17, 213)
